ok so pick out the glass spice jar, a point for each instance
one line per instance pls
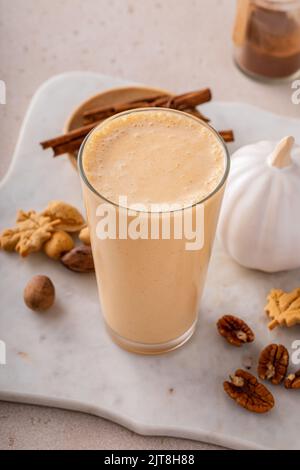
(267, 38)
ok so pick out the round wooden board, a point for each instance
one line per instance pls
(109, 97)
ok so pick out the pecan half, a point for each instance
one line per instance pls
(235, 330)
(293, 381)
(273, 363)
(247, 392)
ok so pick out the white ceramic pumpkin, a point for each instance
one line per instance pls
(260, 218)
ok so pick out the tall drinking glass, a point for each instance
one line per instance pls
(153, 181)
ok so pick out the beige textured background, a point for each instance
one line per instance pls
(175, 44)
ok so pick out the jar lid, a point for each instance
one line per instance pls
(278, 5)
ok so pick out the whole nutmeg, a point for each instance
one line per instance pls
(59, 244)
(39, 293)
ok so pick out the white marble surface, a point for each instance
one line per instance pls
(126, 38)
(66, 359)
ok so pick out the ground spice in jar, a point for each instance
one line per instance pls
(267, 38)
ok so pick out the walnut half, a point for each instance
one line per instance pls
(273, 363)
(247, 392)
(235, 330)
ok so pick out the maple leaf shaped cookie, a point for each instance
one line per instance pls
(29, 235)
(283, 308)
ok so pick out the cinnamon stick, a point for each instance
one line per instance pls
(198, 114)
(103, 112)
(191, 99)
(72, 146)
(227, 136)
(61, 146)
(71, 141)
(75, 134)
(182, 102)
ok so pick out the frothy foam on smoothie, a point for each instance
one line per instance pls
(154, 157)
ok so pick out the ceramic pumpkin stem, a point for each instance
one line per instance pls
(281, 157)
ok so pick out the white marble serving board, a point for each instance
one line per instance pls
(64, 358)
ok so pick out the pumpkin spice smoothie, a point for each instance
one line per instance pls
(150, 287)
